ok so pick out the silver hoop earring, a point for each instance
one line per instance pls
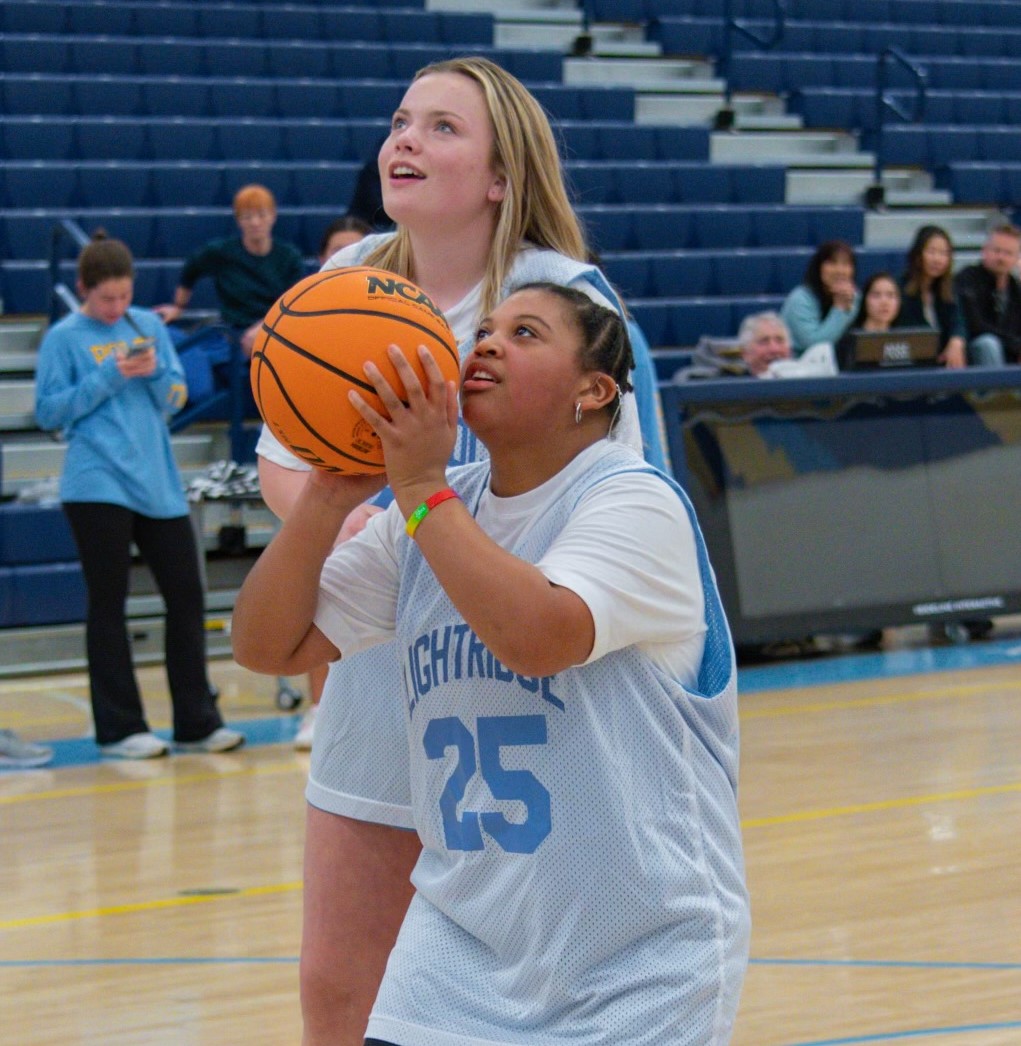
(577, 412)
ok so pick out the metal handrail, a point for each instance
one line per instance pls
(875, 194)
(61, 298)
(766, 42)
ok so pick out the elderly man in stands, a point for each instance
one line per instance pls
(762, 340)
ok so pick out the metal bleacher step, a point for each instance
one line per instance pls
(803, 148)
(19, 340)
(32, 460)
(644, 74)
(687, 109)
(908, 187)
(967, 226)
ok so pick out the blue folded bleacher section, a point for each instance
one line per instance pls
(41, 579)
(144, 116)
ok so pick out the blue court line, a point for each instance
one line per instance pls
(915, 1033)
(843, 668)
(82, 751)
(186, 960)
(851, 668)
(907, 964)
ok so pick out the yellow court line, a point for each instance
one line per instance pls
(167, 779)
(941, 693)
(146, 906)
(883, 804)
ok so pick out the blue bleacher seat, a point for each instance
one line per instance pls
(108, 95)
(35, 94)
(462, 28)
(662, 227)
(743, 272)
(40, 184)
(175, 96)
(295, 99)
(244, 96)
(673, 274)
(996, 143)
(112, 138)
(249, 139)
(702, 183)
(183, 184)
(38, 138)
(34, 534)
(43, 594)
(151, 19)
(32, 53)
(324, 184)
(24, 284)
(226, 20)
(628, 273)
(114, 185)
(411, 27)
(726, 225)
(161, 55)
(100, 19)
(19, 16)
(609, 227)
(292, 22)
(94, 56)
(350, 24)
(184, 138)
(367, 99)
(317, 140)
(180, 232)
(249, 58)
(136, 227)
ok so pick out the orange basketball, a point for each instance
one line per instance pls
(310, 353)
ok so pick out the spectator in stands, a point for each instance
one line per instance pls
(762, 339)
(990, 298)
(880, 305)
(108, 377)
(822, 308)
(340, 233)
(16, 754)
(249, 271)
(927, 293)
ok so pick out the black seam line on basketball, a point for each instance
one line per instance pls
(286, 310)
(283, 392)
(354, 379)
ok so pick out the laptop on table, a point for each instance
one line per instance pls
(899, 347)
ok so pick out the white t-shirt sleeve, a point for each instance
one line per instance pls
(629, 552)
(358, 586)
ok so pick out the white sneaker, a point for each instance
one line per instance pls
(136, 746)
(303, 738)
(16, 754)
(222, 739)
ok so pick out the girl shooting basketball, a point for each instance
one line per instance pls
(569, 697)
(471, 175)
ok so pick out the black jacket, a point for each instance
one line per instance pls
(975, 286)
(948, 318)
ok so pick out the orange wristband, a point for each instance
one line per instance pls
(426, 507)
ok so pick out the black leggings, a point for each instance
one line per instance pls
(103, 534)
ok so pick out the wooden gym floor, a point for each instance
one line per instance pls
(159, 903)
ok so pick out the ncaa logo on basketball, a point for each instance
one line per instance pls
(399, 288)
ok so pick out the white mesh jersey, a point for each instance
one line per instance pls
(359, 763)
(582, 880)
